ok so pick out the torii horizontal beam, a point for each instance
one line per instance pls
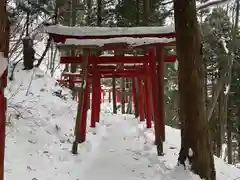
(120, 47)
(115, 67)
(109, 67)
(111, 59)
(129, 71)
(109, 72)
(122, 75)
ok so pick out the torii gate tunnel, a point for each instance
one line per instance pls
(146, 72)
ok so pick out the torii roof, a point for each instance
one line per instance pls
(107, 36)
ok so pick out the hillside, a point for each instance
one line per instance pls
(40, 133)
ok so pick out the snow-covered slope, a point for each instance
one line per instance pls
(40, 134)
(40, 130)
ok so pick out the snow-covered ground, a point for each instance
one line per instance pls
(40, 133)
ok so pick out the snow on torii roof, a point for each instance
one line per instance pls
(106, 37)
(86, 32)
(133, 42)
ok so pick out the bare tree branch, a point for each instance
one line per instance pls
(44, 52)
(212, 3)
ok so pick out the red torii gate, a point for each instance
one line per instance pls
(89, 38)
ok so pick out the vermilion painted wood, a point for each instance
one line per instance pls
(141, 99)
(134, 67)
(157, 105)
(110, 73)
(134, 91)
(154, 92)
(98, 99)
(104, 59)
(119, 72)
(122, 75)
(107, 70)
(115, 68)
(94, 96)
(170, 59)
(118, 94)
(147, 99)
(125, 75)
(111, 59)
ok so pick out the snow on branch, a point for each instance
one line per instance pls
(212, 3)
(226, 91)
(224, 44)
(3, 63)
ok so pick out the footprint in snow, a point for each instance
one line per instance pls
(147, 147)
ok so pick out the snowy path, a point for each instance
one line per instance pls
(119, 155)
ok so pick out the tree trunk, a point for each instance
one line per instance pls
(146, 12)
(221, 121)
(213, 121)
(229, 140)
(89, 12)
(99, 12)
(28, 53)
(4, 38)
(238, 147)
(67, 22)
(229, 79)
(73, 51)
(194, 125)
(138, 12)
(27, 20)
(231, 56)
